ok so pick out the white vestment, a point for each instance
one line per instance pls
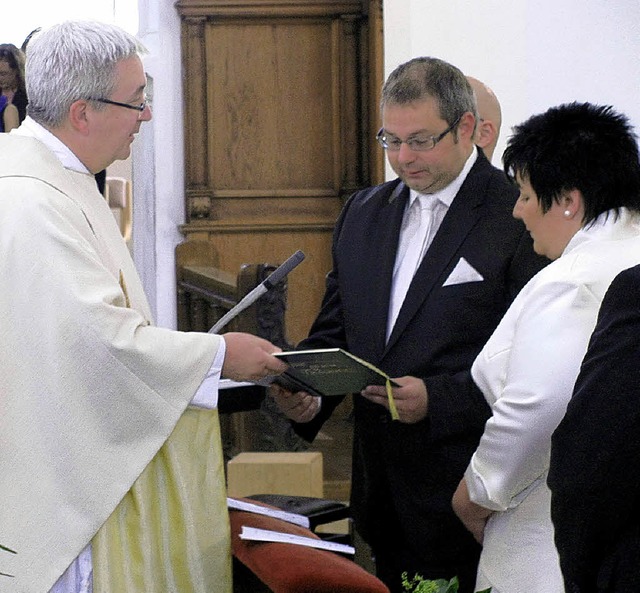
(90, 393)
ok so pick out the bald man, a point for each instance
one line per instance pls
(490, 117)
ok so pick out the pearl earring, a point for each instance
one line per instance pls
(567, 213)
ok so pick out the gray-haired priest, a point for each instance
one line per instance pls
(111, 474)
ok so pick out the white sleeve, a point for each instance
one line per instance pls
(207, 394)
(549, 341)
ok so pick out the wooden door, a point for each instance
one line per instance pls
(280, 118)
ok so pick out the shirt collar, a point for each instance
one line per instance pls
(65, 155)
(447, 194)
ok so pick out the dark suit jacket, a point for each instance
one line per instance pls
(404, 475)
(594, 474)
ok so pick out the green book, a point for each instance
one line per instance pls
(328, 371)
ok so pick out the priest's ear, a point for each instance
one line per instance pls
(79, 116)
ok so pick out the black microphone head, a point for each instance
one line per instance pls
(281, 271)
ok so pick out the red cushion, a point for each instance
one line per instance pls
(290, 568)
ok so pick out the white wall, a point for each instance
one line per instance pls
(19, 20)
(158, 161)
(532, 53)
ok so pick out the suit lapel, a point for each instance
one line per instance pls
(463, 215)
(381, 257)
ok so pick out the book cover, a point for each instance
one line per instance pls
(328, 371)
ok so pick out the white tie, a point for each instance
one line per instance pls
(413, 242)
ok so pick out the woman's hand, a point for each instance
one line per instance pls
(473, 516)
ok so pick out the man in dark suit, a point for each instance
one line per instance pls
(594, 474)
(460, 270)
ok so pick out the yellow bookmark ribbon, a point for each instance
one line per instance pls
(392, 403)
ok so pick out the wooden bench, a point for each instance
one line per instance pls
(249, 421)
(206, 293)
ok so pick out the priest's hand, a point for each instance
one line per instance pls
(299, 407)
(249, 357)
(471, 514)
(410, 398)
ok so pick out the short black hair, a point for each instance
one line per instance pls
(582, 146)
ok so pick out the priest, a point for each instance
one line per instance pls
(111, 475)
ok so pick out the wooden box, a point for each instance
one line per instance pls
(295, 474)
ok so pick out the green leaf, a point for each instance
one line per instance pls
(417, 584)
(453, 585)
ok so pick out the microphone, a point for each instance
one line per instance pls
(276, 276)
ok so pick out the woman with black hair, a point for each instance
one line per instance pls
(12, 80)
(578, 170)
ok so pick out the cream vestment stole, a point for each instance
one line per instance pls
(96, 440)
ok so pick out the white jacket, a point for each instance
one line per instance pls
(527, 371)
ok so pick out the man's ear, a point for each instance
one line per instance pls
(465, 127)
(79, 117)
(485, 133)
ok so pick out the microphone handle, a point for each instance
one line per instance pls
(276, 276)
(247, 301)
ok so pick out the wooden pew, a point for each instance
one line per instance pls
(249, 421)
(206, 293)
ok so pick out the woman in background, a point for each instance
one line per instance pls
(578, 170)
(9, 118)
(12, 87)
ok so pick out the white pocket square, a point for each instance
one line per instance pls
(463, 272)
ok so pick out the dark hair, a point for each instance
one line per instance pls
(582, 146)
(421, 78)
(15, 58)
(25, 43)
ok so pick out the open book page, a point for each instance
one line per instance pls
(266, 535)
(241, 505)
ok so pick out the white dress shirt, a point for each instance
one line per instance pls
(423, 216)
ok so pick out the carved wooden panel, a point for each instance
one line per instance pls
(280, 119)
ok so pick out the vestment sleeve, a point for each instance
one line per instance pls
(207, 395)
